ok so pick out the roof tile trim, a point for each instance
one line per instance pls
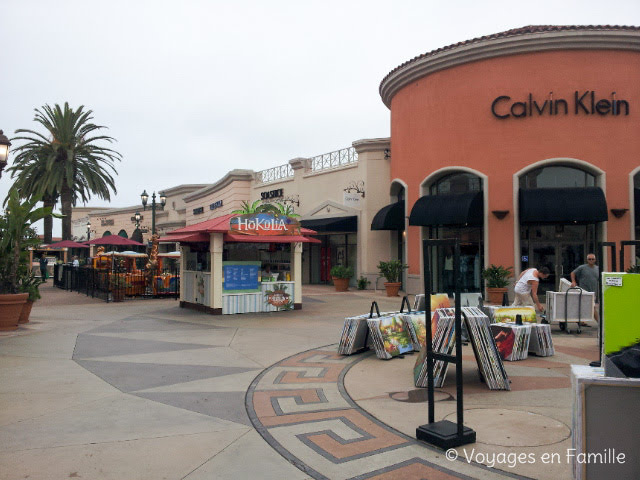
(528, 39)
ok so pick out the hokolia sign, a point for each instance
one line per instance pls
(264, 224)
(585, 102)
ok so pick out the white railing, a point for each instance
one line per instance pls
(339, 158)
(275, 174)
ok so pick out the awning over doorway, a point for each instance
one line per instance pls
(332, 224)
(563, 205)
(448, 209)
(390, 217)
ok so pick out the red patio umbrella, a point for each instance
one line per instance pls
(113, 240)
(67, 244)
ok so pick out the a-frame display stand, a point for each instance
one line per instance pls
(444, 434)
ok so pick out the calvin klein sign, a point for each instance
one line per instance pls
(583, 103)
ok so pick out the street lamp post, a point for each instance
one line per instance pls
(163, 200)
(4, 151)
(88, 231)
(137, 217)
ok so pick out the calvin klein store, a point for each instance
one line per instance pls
(523, 144)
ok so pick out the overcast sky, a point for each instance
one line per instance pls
(192, 89)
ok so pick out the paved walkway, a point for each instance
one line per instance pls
(146, 390)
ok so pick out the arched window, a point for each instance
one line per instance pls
(106, 233)
(123, 233)
(557, 176)
(459, 182)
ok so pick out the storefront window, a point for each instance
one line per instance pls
(557, 176)
(471, 240)
(456, 183)
(198, 261)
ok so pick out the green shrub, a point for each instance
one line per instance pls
(340, 271)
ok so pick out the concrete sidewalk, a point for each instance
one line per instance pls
(146, 390)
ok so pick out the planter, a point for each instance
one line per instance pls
(26, 311)
(10, 309)
(495, 294)
(341, 284)
(392, 288)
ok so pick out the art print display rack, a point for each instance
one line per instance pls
(444, 434)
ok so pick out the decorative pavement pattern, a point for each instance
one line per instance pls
(299, 405)
(139, 356)
(301, 408)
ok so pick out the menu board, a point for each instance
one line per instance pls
(240, 276)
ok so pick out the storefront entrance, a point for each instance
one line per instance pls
(560, 248)
(335, 249)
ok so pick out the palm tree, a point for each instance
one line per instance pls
(68, 159)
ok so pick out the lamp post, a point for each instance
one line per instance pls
(137, 217)
(163, 200)
(88, 231)
(4, 151)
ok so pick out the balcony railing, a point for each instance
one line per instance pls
(275, 174)
(339, 158)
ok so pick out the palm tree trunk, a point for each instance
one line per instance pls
(66, 201)
(48, 201)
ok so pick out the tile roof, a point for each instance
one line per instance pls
(530, 29)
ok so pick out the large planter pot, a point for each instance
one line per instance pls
(10, 309)
(26, 311)
(341, 284)
(392, 288)
(495, 294)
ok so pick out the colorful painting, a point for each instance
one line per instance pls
(440, 300)
(394, 337)
(508, 314)
(504, 338)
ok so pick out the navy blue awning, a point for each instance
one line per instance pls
(465, 209)
(332, 224)
(563, 205)
(390, 217)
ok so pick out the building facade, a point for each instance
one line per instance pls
(522, 144)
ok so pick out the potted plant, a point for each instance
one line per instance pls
(31, 285)
(363, 283)
(341, 276)
(16, 235)
(392, 271)
(497, 278)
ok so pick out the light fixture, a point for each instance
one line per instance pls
(4, 151)
(144, 196)
(500, 214)
(88, 230)
(619, 212)
(387, 154)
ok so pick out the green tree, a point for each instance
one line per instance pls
(65, 162)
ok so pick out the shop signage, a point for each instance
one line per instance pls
(107, 223)
(583, 102)
(272, 194)
(352, 199)
(240, 276)
(198, 211)
(264, 224)
(215, 205)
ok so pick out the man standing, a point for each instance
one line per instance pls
(43, 268)
(526, 288)
(586, 277)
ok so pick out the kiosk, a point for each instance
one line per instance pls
(242, 263)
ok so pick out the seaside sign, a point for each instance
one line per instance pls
(264, 224)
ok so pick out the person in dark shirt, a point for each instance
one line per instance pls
(43, 268)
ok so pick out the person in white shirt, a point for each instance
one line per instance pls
(526, 288)
(76, 262)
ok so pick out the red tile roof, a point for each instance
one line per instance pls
(531, 29)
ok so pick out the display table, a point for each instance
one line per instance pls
(272, 297)
(605, 425)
